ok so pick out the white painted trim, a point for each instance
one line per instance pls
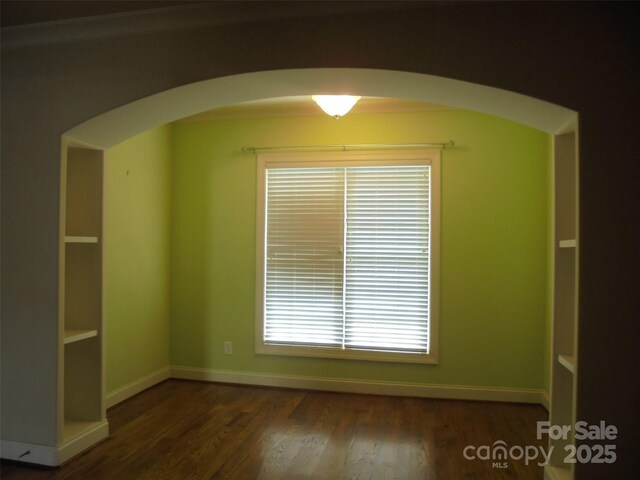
(133, 388)
(83, 442)
(54, 456)
(451, 392)
(266, 161)
(37, 454)
(117, 125)
(570, 125)
(545, 400)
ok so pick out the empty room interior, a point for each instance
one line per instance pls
(232, 282)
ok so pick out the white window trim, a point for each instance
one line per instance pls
(353, 158)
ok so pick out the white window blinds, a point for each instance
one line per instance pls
(347, 256)
(387, 260)
(304, 256)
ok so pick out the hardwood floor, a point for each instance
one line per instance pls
(192, 430)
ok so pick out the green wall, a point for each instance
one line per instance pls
(137, 257)
(494, 259)
(180, 245)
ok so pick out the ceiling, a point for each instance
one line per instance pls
(304, 106)
(17, 13)
(23, 12)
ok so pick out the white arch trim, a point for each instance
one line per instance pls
(117, 125)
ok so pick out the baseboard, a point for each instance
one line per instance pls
(545, 401)
(453, 392)
(29, 453)
(79, 444)
(137, 386)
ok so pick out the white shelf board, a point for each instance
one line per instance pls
(567, 243)
(568, 362)
(75, 335)
(80, 239)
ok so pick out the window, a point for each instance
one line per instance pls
(347, 255)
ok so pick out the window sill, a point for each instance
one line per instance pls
(337, 353)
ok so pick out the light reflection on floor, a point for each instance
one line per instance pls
(354, 455)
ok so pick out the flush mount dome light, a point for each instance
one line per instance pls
(335, 105)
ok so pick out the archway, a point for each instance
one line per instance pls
(117, 125)
(112, 128)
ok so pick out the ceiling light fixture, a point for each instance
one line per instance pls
(335, 106)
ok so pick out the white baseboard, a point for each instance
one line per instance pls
(545, 401)
(82, 442)
(53, 456)
(453, 392)
(137, 386)
(29, 453)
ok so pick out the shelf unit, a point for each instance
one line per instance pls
(564, 364)
(75, 335)
(568, 362)
(78, 239)
(81, 417)
(567, 243)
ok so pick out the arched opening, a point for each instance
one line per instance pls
(117, 125)
(114, 127)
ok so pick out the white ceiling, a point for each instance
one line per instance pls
(303, 105)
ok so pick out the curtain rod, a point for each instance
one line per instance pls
(361, 146)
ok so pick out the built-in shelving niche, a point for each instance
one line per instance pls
(82, 409)
(564, 364)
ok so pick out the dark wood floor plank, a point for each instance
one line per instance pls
(181, 430)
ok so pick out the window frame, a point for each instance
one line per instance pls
(350, 158)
